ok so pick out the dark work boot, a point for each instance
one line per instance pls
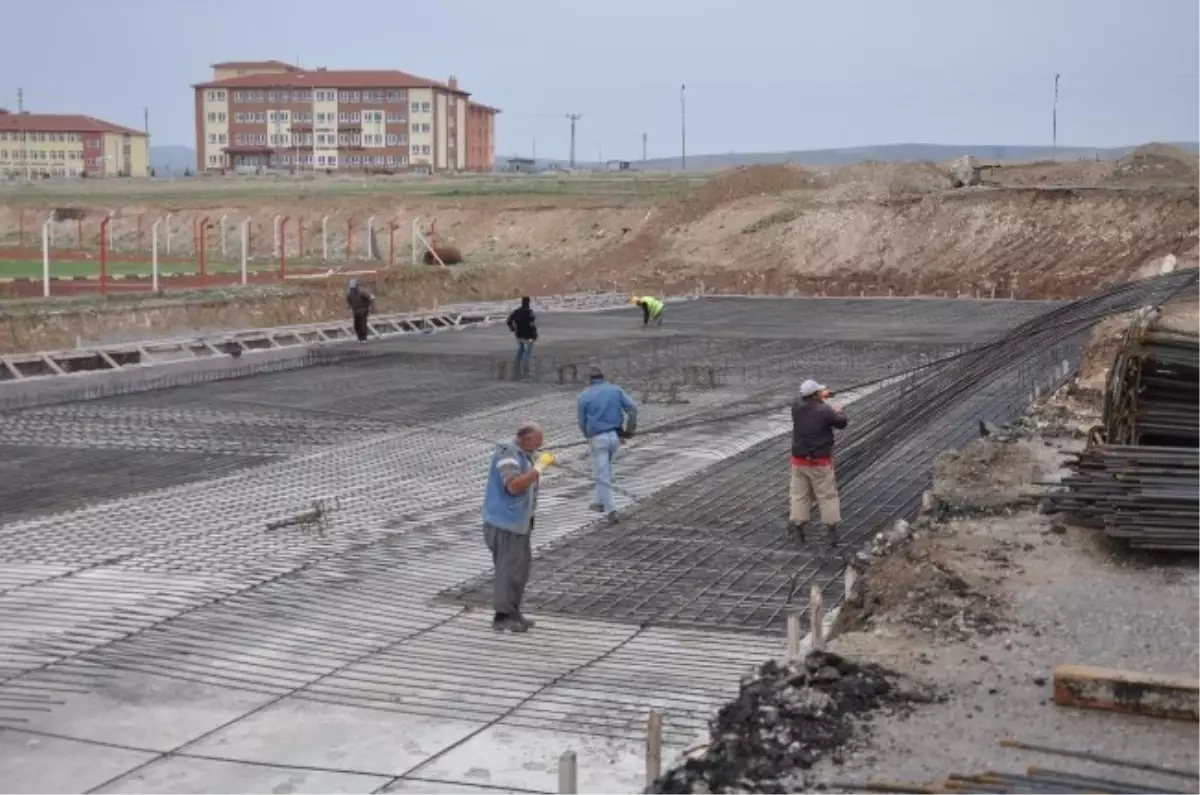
(528, 622)
(505, 623)
(797, 530)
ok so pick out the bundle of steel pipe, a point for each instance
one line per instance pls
(1153, 394)
(1145, 496)
(1034, 780)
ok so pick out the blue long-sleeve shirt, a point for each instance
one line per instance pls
(605, 407)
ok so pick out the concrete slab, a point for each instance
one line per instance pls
(299, 732)
(184, 774)
(435, 787)
(522, 758)
(29, 763)
(143, 711)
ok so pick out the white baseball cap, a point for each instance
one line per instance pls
(810, 388)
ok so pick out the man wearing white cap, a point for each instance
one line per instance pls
(813, 423)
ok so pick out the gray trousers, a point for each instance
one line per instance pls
(511, 557)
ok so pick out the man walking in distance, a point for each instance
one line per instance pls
(813, 423)
(509, 504)
(360, 305)
(522, 324)
(607, 417)
(652, 309)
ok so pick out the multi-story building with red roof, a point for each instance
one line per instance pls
(69, 145)
(272, 114)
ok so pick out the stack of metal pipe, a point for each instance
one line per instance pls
(1141, 487)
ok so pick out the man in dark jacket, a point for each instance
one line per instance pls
(813, 423)
(522, 324)
(360, 306)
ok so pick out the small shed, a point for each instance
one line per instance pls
(522, 165)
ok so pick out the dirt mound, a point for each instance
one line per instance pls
(919, 586)
(986, 475)
(740, 183)
(871, 181)
(1024, 243)
(1157, 163)
(784, 720)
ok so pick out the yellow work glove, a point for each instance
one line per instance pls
(543, 463)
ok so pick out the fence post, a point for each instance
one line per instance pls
(392, 242)
(325, 238)
(45, 258)
(140, 231)
(283, 247)
(224, 251)
(167, 223)
(349, 240)
(370, 237)
(414, 240)
(653, 747)
(78, 233)
(21, 226)
(154, 255)
(568, 773)
(245, 247)
(112, 238)
(275, 228)
(202, 235)
(104, 254)
(50, 220)
(300, 240)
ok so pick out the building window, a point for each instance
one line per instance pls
(262, 138)
(416, 107)
(221, 117)
(238, 96)
(260, 117)
(424, 107)
(394, 116)
(239, 139)
(212, 138)
(212, 118)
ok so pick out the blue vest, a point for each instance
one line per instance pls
(507, 511)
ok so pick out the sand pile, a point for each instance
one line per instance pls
(1157, 163)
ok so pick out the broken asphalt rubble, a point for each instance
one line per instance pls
(787, 716)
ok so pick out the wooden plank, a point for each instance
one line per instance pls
(1127, 691)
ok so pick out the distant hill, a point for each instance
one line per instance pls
(172, 159)
(882, 153)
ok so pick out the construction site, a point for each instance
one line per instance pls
(240, 551)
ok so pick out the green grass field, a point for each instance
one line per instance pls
(601, 185)
(66, 269)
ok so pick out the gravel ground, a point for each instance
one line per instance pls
(1063, 596)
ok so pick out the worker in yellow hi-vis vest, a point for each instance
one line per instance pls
(652, 309)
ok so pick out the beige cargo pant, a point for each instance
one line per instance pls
(815, 484)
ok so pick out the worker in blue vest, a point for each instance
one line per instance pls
(509, 505)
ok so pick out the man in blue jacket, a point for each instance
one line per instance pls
(509, 504)
(607, 417)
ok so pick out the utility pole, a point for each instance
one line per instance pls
(574, 117)
(146, 123)
(643, 147)
(21, 132)
(682, 128)
(1054, 122)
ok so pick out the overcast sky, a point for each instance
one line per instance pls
(761, 75)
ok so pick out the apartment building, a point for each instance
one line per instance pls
(274, 115)
(67, 145)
